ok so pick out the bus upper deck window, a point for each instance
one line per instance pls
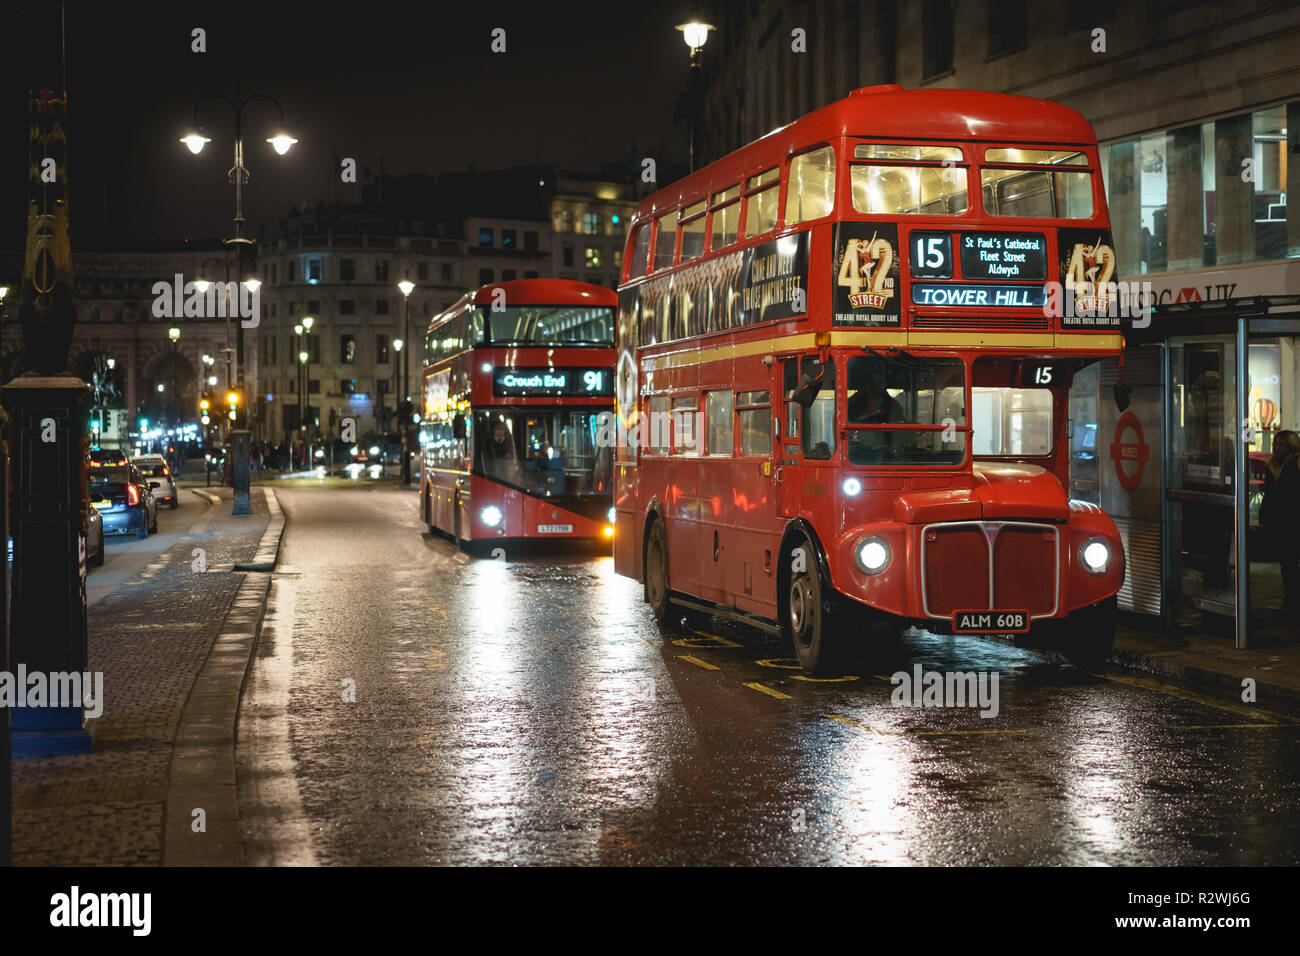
(724, 218)
(640, 251)
(692, 221)
(1043, 193)
(666, 243)
(919, 152)
(810, 186)
(761, 194)
(909, 190)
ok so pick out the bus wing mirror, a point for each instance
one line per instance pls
(458, 426)
(805, 393)
(1122, 393)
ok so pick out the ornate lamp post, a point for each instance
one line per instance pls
(281, 141)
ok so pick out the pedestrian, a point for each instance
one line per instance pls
(1279, 515)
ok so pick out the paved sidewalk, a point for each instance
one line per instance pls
(151, 638)
(1214, 664)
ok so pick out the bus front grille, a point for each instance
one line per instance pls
(998, 565)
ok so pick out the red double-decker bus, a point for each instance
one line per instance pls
(518, 390)
(844, 371)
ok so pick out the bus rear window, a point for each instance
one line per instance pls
(1037, 193)
(909, 190)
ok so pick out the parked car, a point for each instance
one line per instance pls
(94, 538)
(106, 457)
(155, 469)
(125, 500)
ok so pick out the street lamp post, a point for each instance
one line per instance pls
(405, 405)
(398, 345)
(695, 34)
(281, 141)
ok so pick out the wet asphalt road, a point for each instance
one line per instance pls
(528, 711)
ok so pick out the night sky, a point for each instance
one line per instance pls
(580, 85)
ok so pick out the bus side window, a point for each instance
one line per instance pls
(719, 407)
(790, 380)
(819, 418)
(640, 251)
(656, 440)
(810, 186)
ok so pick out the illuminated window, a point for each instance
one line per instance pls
(592, 257)
(761, 194)
(904, 190)
(692, 220)
(666, 244)
(810, 186)
(718, 408)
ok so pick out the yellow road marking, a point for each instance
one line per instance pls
(824, 680)
(1242, 710)
(721, 640)
(782, 663)
(696, 661)
(769, 691)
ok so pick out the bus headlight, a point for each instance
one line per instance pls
(1095, 556)
(871, 555)
(490, 516)
(611, 515)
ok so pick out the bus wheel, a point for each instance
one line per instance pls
(656, 571)
(814, 647)
(1088, 635)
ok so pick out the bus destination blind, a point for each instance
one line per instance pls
(571, 382)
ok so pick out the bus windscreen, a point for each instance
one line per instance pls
(549, 325)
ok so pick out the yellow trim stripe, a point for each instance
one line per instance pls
(686, 357)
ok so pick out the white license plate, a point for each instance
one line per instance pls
(990, 622)
(555, 529)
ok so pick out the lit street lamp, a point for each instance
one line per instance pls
(406, 287)
(280, 141)
(695, 34)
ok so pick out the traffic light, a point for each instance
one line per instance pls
(205, 403)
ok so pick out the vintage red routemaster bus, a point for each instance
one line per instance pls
(843, 377)
(518, 389)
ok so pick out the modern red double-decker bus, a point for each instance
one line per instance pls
(844, 371)
(518, 389)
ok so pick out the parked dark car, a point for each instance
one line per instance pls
(125, 501)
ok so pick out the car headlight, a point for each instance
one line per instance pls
(490, 516)
(1095, 556)
(871, 555)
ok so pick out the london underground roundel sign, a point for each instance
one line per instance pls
(1130, 456)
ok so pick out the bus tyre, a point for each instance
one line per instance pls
(1088, 635)
(814, 647)
(656, 571)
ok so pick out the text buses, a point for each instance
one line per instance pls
(518, 386)
(844, 370)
